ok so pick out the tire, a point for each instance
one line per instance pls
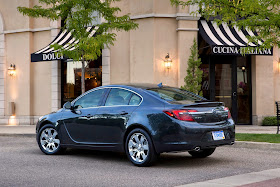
(48, 140)
(139, 148)
(202, 153)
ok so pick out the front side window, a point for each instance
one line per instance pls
(118, 97)
(91, 99)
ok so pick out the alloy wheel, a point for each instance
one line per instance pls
(49, 140)
(138, 147)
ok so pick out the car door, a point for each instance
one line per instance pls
(112, 118)
(80, 122)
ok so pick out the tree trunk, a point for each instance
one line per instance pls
(83, 77)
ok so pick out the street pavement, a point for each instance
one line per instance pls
(23, 164)
(245, 164)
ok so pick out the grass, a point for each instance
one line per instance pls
(270, 138)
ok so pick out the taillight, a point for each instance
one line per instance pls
(181, 114)
(229, 114)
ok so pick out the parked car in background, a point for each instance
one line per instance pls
(142, 120)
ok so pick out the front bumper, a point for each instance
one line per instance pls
(186, 136)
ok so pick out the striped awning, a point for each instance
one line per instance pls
(65, 39)
(225, 40)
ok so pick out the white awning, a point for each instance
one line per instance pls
(229, 40)
(65, 39)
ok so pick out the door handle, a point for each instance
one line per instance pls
(89, 116)
(123, 113)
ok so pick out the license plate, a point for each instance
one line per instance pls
(218, 135)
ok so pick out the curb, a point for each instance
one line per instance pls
(19, 135)
(257, 145)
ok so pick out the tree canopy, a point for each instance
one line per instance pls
(77, 17)
(262, 16)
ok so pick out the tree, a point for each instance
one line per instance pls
(194, 73)
(77, 16)
(262, 16)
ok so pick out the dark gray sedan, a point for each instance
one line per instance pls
(140, 120)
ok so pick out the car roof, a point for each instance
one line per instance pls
(136, 85)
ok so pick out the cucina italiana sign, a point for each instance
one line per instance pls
(236, 50)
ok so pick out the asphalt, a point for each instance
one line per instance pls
(257, 179)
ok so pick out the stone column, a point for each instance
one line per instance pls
(56, 72)
(2, 69)
(106, 66)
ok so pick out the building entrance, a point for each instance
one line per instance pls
(71, 78)
(228, 79)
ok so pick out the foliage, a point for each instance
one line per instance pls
(257, 15)
(269, 121)
(78, 15)
(270, 138)
(194, 73)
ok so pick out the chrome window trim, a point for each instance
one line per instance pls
(95, 89)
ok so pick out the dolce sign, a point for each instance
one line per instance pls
(240, 50)
(52, 56)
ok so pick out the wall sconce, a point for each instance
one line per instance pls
(12, 70)
(167, 61)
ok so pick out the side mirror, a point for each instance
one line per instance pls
(67, 105)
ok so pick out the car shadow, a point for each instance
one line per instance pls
(166, 160)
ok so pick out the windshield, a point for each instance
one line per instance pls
(175, 94)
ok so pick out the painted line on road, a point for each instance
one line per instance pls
(238, 180)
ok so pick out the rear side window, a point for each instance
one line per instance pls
(91, 99)
(118, 97)
(175, 94)
(135, 100)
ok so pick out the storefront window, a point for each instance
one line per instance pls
(71, 79)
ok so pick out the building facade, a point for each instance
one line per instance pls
(249, 85)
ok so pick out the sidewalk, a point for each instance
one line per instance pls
(19, 130)
(266, 178)
(254, 129)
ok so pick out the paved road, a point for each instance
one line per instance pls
(23, 164)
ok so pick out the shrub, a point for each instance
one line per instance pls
(269, 121)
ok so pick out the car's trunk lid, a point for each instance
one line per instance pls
(207, 112)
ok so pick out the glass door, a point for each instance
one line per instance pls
(228, 79)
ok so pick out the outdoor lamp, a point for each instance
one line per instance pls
(12, 70)
(167, 61)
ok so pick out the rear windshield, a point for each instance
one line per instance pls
(175, 94)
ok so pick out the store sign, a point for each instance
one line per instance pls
(236, 50)
(52, 56)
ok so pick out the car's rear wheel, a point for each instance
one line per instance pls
(49, 141)
(139, 148)
(202, 153)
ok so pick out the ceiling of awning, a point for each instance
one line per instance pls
(229, 40)
(65, 39)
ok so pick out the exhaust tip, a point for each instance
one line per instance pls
(196, 149)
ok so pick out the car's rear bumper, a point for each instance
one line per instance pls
(188, 136)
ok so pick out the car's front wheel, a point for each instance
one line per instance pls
(48, 140)
(202, 153)
(139, 148)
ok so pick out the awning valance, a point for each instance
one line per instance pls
(65, 39)
(225, 40)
